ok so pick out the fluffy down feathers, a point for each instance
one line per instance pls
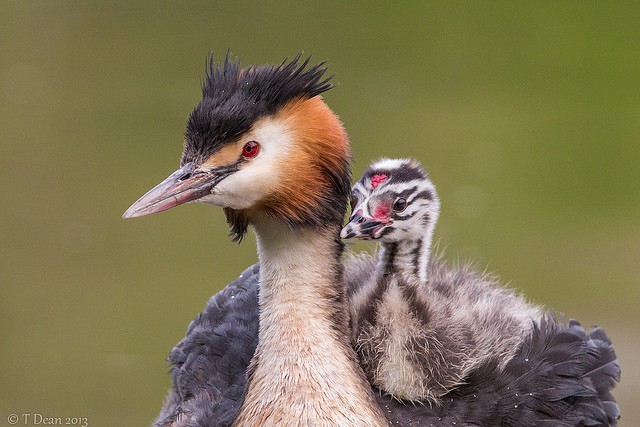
(561, 376)
(418, 342)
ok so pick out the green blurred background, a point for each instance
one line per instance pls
(526, 115)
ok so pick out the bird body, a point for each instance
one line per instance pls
(420, 327)
(273, 347)
(561, 375)
(285, 173)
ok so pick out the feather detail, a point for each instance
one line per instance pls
(530, 390)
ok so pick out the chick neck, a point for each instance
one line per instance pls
(408, 257)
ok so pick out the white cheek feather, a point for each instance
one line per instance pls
(258, 176)
(360, 188)
(364, 207)
(390, 164)
(399, 187)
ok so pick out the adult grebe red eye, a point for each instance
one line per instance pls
(250, 149)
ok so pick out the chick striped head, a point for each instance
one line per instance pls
(394, 200)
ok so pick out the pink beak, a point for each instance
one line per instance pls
(184, 185)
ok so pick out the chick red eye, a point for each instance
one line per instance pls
(400, 204)
(250, 149)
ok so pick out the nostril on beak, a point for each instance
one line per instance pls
(361, 220)
(185, 176)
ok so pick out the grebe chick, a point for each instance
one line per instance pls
(419, 327)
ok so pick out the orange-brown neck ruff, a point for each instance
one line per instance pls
(314, 178)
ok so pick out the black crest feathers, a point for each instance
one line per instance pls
(271, 85)
(233, 98)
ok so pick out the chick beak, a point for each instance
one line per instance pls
(361, 227)
(184, 185)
